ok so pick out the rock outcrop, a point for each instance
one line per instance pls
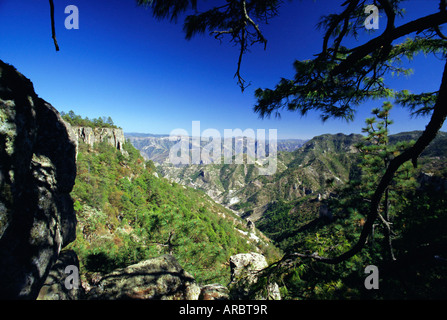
(159, 278)
(163, 278)
(214, 291)
(246, 274)
(37, 173)
(90, 136)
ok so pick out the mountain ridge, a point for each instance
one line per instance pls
(127, 213)
(156, 147)
(313, 168)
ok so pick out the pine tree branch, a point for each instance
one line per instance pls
(260, 36)
(439, 33)
(437, 120)
(246, 20)
(386, 38)
(343, 16)
(390, 14)
(53, 28)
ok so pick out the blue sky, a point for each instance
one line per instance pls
(143, 73)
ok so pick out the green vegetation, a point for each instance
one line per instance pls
(335, 82)
(77, 120)
(389, 214)
(377, 153)
(318, 204)
(408, 242)
(127, 214)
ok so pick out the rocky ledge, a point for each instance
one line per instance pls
(162, 278)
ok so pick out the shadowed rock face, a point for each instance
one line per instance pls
(160, 278)
(55, 286)
(37, 173)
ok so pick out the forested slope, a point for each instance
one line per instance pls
(126, 213)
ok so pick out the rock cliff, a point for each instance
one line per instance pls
(90, 136)
(37, 173)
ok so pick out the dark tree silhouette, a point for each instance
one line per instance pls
(239, 20)
(53, 28)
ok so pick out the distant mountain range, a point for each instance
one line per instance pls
(156, 147)
(308, 169)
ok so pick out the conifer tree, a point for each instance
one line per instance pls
(377, 152)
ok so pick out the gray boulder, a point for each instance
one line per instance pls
(214, 291)
(248, 278)
(160, 278)
(37, 174)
